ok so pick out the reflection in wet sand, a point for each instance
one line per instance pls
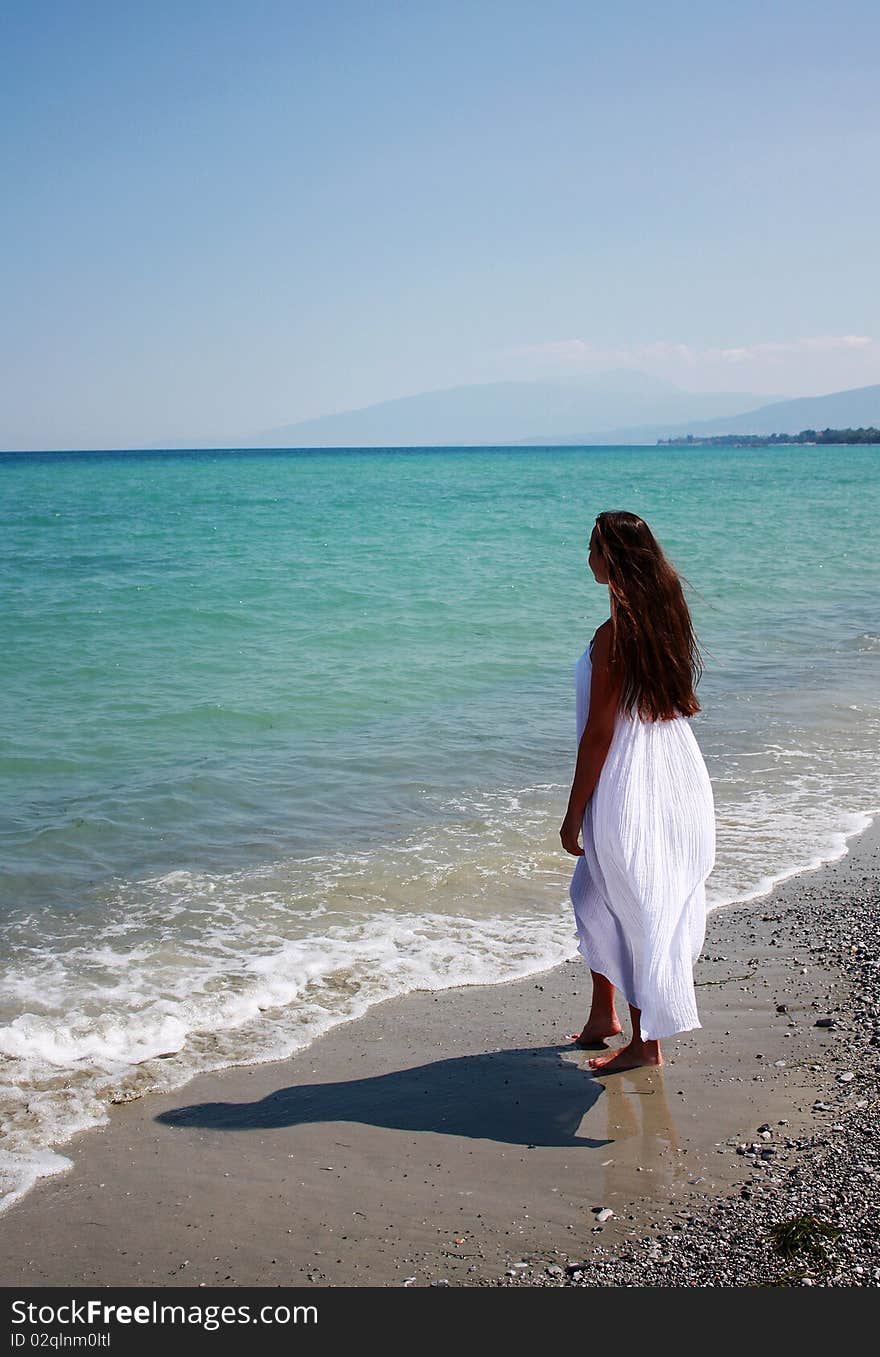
(638, 1112)
(636, 1104)
(633, 1114)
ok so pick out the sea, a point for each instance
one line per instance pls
(285, 733)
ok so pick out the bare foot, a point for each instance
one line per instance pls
(594, 1034)
(630, 1057)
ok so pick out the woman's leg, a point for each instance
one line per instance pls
(634, 1054)
(602, 1021)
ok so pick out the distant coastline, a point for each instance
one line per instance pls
(758, 440)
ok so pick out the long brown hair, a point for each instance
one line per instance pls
(653, 644)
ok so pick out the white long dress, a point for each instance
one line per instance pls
(649, 843)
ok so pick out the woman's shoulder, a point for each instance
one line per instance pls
(599, 648)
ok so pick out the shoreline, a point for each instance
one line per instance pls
(453, 1137)
(52, 1160)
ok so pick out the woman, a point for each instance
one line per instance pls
(642, 798)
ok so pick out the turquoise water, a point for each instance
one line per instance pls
(286, 732)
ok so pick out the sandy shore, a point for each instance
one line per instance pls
(458, 1139)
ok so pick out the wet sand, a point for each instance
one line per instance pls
(447, 1138)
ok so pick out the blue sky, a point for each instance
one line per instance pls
(223, 216)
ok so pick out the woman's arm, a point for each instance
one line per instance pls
(605, 687)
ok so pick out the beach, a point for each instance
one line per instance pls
(259, 780)
(457, 1138)
(424, 582)
(287, 963)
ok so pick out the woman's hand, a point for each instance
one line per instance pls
(571, 828)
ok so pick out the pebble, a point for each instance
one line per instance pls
(831, 1172)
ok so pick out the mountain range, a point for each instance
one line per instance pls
(857, 408)
(620, 406)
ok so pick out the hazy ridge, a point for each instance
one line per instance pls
(622, 406)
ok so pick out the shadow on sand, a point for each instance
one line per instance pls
(521, 1097)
